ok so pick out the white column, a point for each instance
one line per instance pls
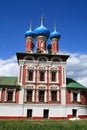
(21, 95)
(63, 96)
(71, 96)
(5, 96)
(14, 94)
(64, 75)
(33, 96)
(37, 96)
(58, 76)
(78, 97)
(45, 96)
(58, 95)
(25, 95)
(49, 95)
(0, 93)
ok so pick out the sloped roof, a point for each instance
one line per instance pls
(9, 81)
(72, 84)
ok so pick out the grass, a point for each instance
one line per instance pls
(42, 125)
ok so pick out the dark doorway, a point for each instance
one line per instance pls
(74, 113)
(46, 114)
(29, 113)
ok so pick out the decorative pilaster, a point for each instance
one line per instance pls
(33, 96)
(0, 94)
(45, 96)
(5, 96)
(25, 95)
(14, 94)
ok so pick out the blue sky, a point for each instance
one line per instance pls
(71, 20)
(70, 16)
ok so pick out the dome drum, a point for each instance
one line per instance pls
(44, 38)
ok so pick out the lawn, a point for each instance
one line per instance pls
(42, 125)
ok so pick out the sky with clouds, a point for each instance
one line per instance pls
(71, 20)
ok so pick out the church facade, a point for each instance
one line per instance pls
(41, 90)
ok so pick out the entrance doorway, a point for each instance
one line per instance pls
(74, 112)
(46, 114)
(29, 113)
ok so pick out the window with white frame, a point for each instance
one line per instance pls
(53, 76)
(30, 75)
(29, 95)
(41, 95)
(42, 75)
(10, 95)
(53, 95)
(75, 96)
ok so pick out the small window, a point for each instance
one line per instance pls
(74, 112)
(30, 75)
(29, 113)
(75, 97)
(29, 96)
(46, 114)
(10, 96)
(53, 76)
(42, 76)
(53, 95)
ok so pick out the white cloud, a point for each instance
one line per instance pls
(9, 67)
(76, 67)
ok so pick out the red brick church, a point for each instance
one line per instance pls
(41, 90)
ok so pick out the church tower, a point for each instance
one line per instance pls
(42, 73)
(29, 35)
(42, 35)
(55, 36)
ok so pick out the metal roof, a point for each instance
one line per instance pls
(72, 84)
(9, 81)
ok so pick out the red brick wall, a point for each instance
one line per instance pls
(84, 98)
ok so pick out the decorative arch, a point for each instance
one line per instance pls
(29, 58)
(56, 59)
(42, 58)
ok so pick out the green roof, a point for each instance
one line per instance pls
(9, 81)
(72, 84)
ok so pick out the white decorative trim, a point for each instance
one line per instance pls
(0, 94)
(41, 87)
(30, 68)
(57, 75)
(5, 96)
(30, 86)
(37, 96)
(45, 76)
(54, 87)
(58, 99)
(33, 93)
(25, 95)
(45, 96)
(14, 95)
(78, 95)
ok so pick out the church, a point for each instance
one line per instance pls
(42, 90)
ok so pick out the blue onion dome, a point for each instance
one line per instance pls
(30, 32)
(55, 34)
(41, 30)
